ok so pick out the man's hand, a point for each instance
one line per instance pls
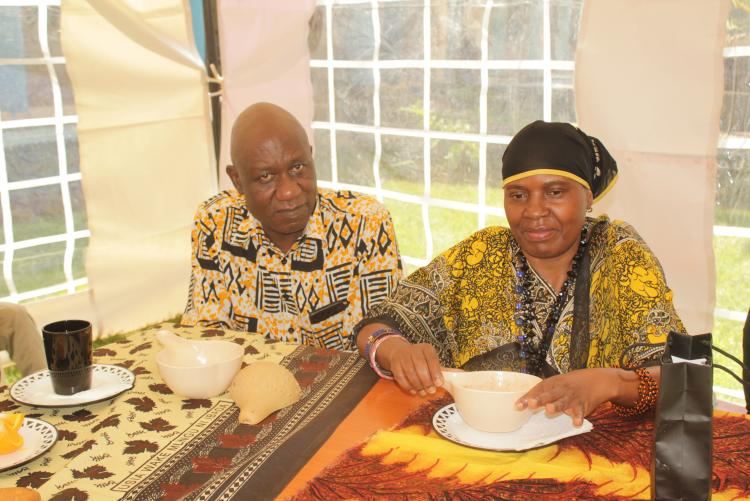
(576, 393)
(415, 367)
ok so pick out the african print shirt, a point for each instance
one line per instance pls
(345, 262)
(464, 301)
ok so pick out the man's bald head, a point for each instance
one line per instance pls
(273, 167)
(257, 123)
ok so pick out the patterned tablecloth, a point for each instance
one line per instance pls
(613, 461)
(151, 444)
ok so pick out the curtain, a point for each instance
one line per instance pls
(650, 87)
(145, 149)
(264, 57)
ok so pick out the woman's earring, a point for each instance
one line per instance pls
(589, 209)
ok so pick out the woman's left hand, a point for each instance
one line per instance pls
(576, 393)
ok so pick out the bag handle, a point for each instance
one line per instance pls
(651, 363)
(743, 382)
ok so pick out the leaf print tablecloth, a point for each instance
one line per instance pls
(151, 444)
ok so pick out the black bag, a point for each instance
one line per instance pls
(682, 457)
(746, 358)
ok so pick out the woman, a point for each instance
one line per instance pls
(560, 295)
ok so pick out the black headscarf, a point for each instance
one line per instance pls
(561, 149)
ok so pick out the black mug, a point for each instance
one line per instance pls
(68, 346)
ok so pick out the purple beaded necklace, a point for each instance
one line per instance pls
(535, 355)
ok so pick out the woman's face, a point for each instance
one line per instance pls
(546, 213)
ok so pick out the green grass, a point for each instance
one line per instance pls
(727, 335)
(732, 273)
(448, 226)
(38, 267)
(732, 293)
(732, 217)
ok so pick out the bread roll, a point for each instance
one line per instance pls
(262, 388)
(19, 494)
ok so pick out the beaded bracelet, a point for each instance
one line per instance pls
(374, 336)
(648, 390)
(383, 373)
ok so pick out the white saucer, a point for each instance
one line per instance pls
(107, 381)
(539, 430)
(38, 437)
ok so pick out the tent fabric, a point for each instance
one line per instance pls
(145, 148)
(138, 87)
(650, 87)
(264, 57)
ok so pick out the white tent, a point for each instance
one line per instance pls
(648, 78)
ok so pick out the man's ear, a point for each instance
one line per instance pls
(234, 175)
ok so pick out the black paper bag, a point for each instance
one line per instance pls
(683, 427)
(746, 358)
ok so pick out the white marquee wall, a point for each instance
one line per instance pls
(146, 146)
(653, 95)
(146, 152)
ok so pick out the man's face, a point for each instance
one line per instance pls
(546, 213)
(276, 173)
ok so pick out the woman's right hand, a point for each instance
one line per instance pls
(415, 367)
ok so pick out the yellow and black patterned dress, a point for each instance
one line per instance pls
(464, 301)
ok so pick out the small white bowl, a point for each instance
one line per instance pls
(486, 400)
(200, 369)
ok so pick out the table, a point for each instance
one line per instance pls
(151, 444)
(351, 436)
(367, 458)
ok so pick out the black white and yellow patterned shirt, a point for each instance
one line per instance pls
(345, 262)
(464, 301)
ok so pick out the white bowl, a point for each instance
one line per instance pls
(486, 400)
(202, 369)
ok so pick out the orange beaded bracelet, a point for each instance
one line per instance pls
(648, 391)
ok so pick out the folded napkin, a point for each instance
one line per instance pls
(698, 361)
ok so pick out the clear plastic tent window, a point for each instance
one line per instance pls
(425, 94)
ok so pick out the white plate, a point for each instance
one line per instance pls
(107, 381)
(539, 430)
(38, 437)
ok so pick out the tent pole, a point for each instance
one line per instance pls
(213, 56)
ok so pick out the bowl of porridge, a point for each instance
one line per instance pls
(486, 400)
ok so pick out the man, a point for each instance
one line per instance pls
(21, 339)
(281, 257)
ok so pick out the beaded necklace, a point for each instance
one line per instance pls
(535, 354)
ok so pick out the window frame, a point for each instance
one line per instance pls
(63, 178)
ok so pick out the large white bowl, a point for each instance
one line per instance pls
(486, 400)
(200, 369)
